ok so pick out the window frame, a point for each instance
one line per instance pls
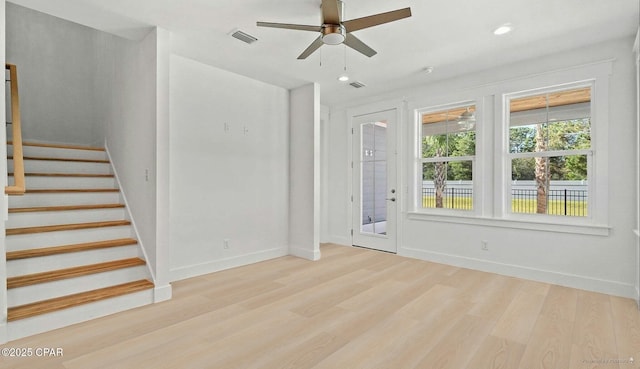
(509, 157)
(419, 160)
(491, 143)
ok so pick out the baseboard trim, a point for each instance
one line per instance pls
(305, 254)
(339, 240)
(546, 276)
(213, 266)
(162, 293)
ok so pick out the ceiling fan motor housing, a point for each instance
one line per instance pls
(333, 34)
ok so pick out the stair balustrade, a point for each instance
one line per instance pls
(18, 187)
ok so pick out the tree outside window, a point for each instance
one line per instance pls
(550, 147)
(448, 145)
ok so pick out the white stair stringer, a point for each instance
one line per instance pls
(78, 314)
(44, 291)
(52, 184)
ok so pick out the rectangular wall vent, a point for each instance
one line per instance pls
(244, 37)
(357, 84)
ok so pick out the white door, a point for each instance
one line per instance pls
(375, 196)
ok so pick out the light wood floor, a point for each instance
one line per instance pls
(355, 308)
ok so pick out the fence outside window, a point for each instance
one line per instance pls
(453, 198)
(559, 202)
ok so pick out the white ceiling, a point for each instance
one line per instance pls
(453, 36)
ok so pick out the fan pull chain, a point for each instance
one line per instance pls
(345, 59)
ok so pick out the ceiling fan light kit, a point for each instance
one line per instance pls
(335, 31)
(333, 34)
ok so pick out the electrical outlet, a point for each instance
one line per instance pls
(225, 243)
(484, 245)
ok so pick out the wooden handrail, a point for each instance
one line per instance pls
(18, 186)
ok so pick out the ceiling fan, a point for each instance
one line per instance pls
(334, 30)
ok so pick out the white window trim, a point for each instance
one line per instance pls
(596, 212)
(489, 179)
(416, 206)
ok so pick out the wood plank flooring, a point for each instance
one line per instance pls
(354, 308)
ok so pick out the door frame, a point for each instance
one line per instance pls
(400, 107)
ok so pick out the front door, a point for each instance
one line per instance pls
(375, 197)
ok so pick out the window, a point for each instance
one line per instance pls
(447, 155)
(528, 153)
(550, 152)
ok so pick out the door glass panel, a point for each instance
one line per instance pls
(373, 178)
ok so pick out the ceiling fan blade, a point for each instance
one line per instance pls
(374, 20)
(330, 12)
(315, 45)
(297, 27)
(355, 43)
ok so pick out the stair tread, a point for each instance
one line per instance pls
(64, 249)
(60, 146)
(66, 175)
(56, 275)
(65, 227)
(47, 158)
(64, 190)
(59, 303)
(65, 208)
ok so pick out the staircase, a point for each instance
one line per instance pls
(72, 254)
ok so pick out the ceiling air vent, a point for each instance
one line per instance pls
(357, 84)
(244, 37)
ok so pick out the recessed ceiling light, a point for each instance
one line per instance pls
(503, 29)
(343, 78)
(428, 70)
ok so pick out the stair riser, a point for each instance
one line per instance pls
(51, 152)
(44, 291)
(47, 166)
(50, 239)
(61, 261)
(63, 199)
(43, 323)
(43, 218)
(36, 182)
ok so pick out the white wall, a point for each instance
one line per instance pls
(602, 263)
(127, 93)
(3, 198)
(162, 169)
(55, 60)
(80, 85)
(229, 147)
(304, 172)
(637, 224)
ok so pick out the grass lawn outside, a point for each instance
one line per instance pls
(522, 206)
